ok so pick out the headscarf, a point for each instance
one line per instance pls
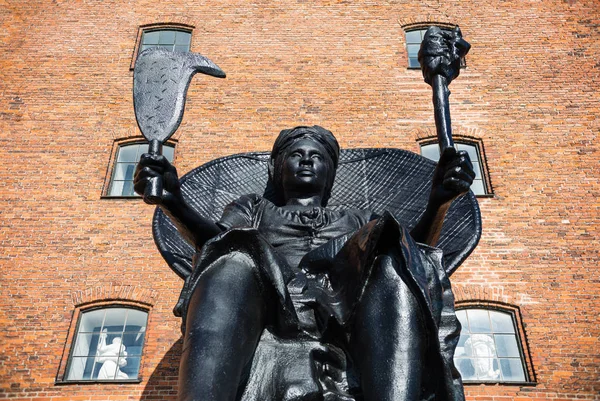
(288, 136)
(286, 139)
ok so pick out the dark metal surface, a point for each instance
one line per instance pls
(440, 55)
(160, 82)
(310, 291)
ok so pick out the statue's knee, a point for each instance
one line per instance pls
(235, 267)
(388, 279)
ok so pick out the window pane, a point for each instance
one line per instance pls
(142, 148)
(129, 170)
(134, 342)
(91, 320)
(413, 37)
(128, 189)
(477, 187)
(86, 344)
(487, 369)
(128, 153)
(464, 347)
(183, 38)
(471, 150)
(502, 322)
(413, 50)
(135, 320)
(506, 345)
(110, 367)
(431, 151)
(512, 370)
(121, 171)
(482, 345)
(168, 152)
(81, 368)
(413, 62)
(151, 38)
(462, 318)
(476, 169)
(116, 189)
(115, 319)
(167, 38)
(131, 367)
(466, 368)
(479, 321)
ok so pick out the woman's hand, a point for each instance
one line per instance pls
(453, 177)
(151, 166)
(195, 228)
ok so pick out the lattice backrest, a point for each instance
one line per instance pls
(375, 179)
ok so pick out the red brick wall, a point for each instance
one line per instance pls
(530, 92)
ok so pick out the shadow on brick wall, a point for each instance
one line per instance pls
(162, 384)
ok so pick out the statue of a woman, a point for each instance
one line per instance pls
(290, 300)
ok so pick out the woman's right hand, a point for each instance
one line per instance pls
(151, 166)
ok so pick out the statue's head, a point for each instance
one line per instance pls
(310, 139)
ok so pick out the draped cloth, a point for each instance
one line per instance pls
(313, 267)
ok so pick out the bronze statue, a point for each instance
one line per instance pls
(290, 300)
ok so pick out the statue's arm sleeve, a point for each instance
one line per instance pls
(240, 213)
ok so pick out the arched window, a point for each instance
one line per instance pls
(479, 186)
(489, 349)
(171, 36)
(127, 158)
(107, 345)
(171, 39)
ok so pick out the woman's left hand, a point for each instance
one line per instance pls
(453, 177)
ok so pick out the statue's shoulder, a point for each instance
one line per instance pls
(241, 212)
(361, 216)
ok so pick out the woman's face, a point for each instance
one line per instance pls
(305, 168)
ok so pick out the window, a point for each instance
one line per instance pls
(121, 183)
(413, 44)
(489, 349)
(108, 345)
(170, 39)
(479, 186)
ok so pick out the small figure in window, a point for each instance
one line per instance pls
(112, 357)
(484, 352)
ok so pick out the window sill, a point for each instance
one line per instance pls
(79, 382)
(487, 383)
(120, 197)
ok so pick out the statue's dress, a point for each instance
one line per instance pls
(314, 266)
